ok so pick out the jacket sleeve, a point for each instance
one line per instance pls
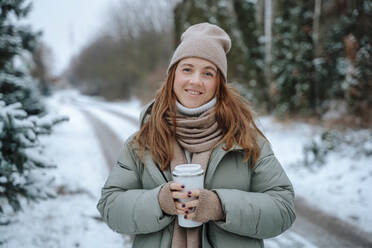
(124, 205)
(268, 209)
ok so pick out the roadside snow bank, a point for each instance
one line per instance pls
(341, 187)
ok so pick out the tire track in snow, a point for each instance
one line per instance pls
(108, 140)
(121, 115)
(127, 117)
(327, 231)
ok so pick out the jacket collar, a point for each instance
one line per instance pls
(145, 111)
(154, 170)
(216, 156)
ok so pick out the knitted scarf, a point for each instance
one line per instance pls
(195, 135)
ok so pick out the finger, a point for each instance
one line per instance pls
(176, 186)
(186, 206)
(194, 193)
(181, 205)
(179, 195)
(184, 212)
(190, 215)
(181, 212)
(191, 204)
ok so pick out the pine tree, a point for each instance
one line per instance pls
(21, 160)
(15, 84)
(349, 59)
(254, 58)
(21, 155)
(292, 65)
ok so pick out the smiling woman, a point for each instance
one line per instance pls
(196, 118)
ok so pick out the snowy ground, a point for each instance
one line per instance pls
(341, 188)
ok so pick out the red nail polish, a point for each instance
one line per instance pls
(185, 216)
(190, 208)
(189, 192)
(186, 212)
(183, 205)
(183, 186)
(188, 195)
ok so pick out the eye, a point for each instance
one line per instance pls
(209, 74)
(186, 69)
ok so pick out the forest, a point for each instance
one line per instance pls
(304, 59)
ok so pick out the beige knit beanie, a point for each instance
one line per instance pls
(204, 40)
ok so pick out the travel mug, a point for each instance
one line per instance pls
(190, 175)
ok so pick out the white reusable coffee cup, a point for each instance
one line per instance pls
(190, 175)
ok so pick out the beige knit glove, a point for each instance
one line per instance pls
(209, 207)
(166, 201)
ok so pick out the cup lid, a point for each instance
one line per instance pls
(188, 170)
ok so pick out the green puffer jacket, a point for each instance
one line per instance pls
(258, 203)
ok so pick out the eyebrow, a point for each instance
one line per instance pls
(206, 67)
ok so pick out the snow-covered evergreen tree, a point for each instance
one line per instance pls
(15, 39)
(254, 55)
(292, 65)
(349, 59)
(21, 155)
(21, 108)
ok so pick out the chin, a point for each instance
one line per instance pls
(191, 105)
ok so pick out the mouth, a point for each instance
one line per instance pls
(193, 92)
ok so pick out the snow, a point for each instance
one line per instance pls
(11, 109)
(340, 188)
(116, 123)
(287, 240)
(129, 108)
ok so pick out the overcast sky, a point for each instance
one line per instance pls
(67, 25)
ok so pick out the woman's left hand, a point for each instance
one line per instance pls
(186, 208)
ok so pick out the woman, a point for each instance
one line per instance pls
(197, 118)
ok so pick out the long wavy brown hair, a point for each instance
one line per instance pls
(233, 115)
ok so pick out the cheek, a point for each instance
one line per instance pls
(212, 88)
(177, 88)
(178, 81)
(176, 85)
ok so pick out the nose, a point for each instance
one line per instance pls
(196, 78)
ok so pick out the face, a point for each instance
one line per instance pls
(195, 82)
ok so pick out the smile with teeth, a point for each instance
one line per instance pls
(193, 92)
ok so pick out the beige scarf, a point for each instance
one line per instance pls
(196, 135)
